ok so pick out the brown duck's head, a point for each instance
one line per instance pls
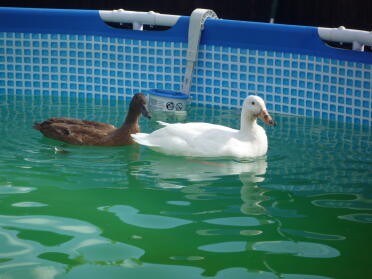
(139, 104)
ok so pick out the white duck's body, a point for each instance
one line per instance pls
(198, 139)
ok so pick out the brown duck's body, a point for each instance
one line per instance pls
(86, 132)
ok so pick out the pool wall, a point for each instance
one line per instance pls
(75, 53)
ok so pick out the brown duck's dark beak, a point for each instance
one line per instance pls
(145, 111)
(265, 116)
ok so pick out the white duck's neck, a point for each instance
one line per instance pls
(248, 122)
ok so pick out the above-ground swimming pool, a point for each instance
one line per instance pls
(303, 211)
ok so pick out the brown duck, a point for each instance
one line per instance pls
(85, 132)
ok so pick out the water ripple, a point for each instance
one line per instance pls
(299, 249)
(234, 221)
(131, 216)
(359, 218)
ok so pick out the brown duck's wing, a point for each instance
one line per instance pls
(87, 135)
(87, 123)
(72, 133)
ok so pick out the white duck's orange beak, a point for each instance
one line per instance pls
(265, 116)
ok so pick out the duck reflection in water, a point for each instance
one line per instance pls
(197, 177)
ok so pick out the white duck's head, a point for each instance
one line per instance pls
(254, 107)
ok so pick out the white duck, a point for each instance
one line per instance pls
(198, 139)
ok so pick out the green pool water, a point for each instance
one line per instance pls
(304, 211)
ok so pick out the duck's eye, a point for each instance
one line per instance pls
(252, 103)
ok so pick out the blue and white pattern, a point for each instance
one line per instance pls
(290, 83)
(87, 65)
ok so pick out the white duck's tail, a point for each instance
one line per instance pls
(145, 139)
(162, 123)
(140, 138)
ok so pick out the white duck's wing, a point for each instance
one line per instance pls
(188, 139)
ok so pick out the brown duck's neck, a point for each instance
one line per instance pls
(131, 119)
